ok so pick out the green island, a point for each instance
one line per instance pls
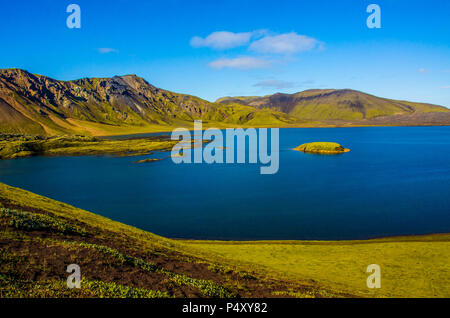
(40, 237)
(322, 148)
(147, 160)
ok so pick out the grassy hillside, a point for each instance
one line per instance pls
(39, 237)
(333, 104)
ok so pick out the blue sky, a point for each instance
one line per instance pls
(220, 48)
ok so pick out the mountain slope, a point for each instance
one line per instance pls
(333, 104)
(125, 100)
(41, 105)
(12, 120)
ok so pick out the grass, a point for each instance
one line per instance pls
(37, 222)
(322, 147)
(410, 267)
(40, 237)
(13, 288)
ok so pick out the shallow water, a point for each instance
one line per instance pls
(395, 181)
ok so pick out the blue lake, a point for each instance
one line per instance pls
(395, 181)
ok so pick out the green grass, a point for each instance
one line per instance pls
(414, 266)
(37, 222)
(322, 147)
(14, 288)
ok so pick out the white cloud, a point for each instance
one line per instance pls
(264, 46)
(243, 63)
(275, 84)
(422, 70)
(280, 84)
(287, 43)
(221, 40)
(105, 50)
(445, 87)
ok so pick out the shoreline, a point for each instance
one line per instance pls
(440, 237)
(119, 134)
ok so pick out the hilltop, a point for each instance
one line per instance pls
(39, 105)
(334, 105)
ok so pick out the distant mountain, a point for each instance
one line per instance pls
(36, 104)
(332, 104)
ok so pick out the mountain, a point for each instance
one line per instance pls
(39, 105)
(344, 104)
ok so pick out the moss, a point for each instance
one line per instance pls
(18, 288)
(207, 287)
(38, 222)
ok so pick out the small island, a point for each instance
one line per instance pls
(322, 148)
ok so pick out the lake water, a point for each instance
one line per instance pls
(395, 181)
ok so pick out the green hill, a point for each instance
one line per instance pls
(331, 104)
